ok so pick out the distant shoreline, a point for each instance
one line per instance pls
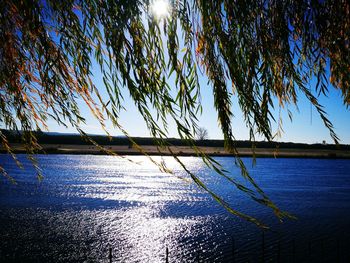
(187, 151)
(61, 143)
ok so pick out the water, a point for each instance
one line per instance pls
(88, 204)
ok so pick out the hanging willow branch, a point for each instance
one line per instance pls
(258, 51)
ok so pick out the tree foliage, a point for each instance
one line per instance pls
(258, 51)
(202, 133)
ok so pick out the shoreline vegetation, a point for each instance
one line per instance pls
(60, 143)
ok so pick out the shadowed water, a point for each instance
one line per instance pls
(88, 204)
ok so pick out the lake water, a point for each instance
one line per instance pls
(88, 204)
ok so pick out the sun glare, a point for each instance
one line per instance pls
(160, 8)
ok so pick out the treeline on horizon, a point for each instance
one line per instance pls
(76, 139)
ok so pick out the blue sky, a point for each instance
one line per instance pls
(306, 127)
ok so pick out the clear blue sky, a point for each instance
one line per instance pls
(306, 127)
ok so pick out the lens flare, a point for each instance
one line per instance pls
(160, 8)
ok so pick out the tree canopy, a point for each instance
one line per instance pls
(258, 51)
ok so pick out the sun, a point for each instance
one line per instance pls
(160, 8)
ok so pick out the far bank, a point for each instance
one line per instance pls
(187, 151)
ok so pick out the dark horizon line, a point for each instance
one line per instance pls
(76, 138)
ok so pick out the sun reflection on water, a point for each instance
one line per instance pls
(109, 202)
(140, 181)
(144, 230)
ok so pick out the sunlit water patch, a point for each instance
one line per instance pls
(88, 204)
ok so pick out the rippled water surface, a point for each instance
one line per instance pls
(88, 204)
